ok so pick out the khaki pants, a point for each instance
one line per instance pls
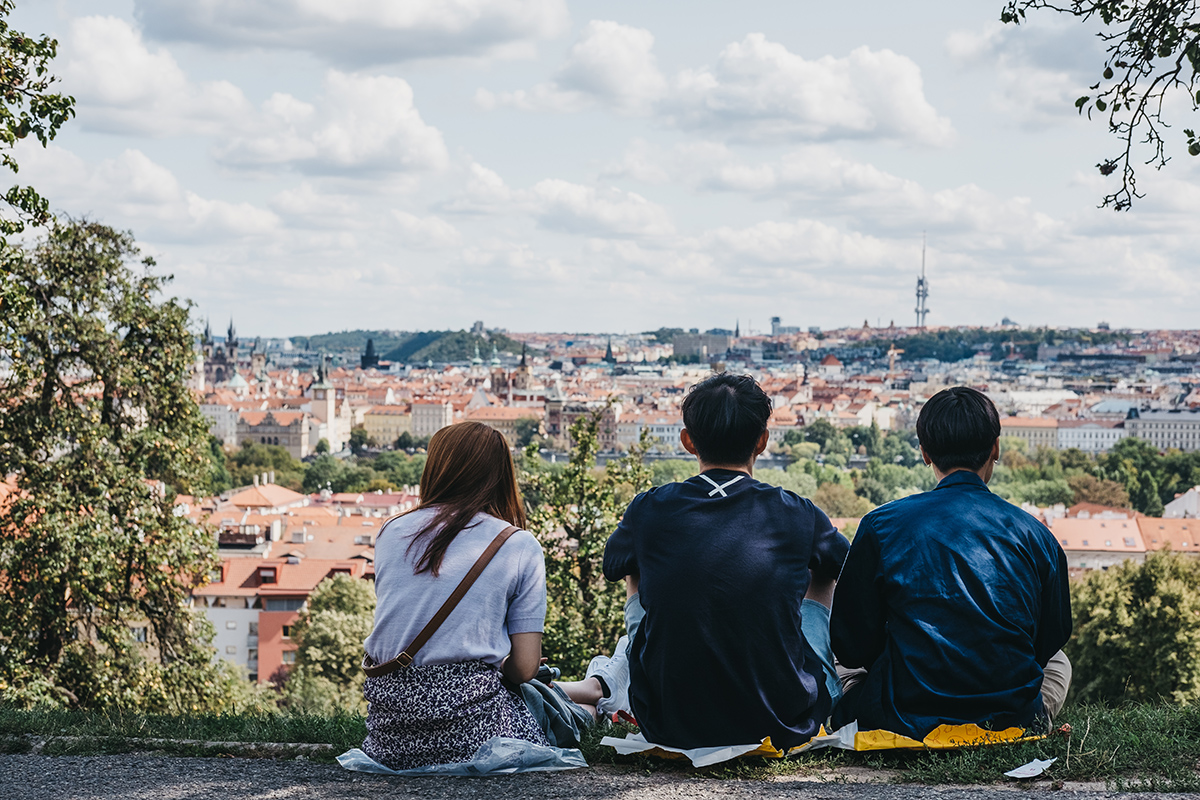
(1056, 681)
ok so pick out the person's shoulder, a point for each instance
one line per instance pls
(784, 497)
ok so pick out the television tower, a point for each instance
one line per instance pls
(922, 289)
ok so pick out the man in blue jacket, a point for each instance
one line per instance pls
(729, 629)
(954, 601)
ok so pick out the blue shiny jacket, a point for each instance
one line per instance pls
(954, 600)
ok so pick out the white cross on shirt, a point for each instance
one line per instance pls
(721, 487)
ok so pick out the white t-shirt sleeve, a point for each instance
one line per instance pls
(527, 605)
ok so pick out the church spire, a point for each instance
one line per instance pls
(523, 362)
(737, 329)
(608, 353)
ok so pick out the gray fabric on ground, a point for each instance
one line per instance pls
(562, 720)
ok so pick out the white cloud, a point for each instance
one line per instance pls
(124, 87)
(361, 124)
(425, 232)
(760, 90)
(574, 208)
(611, 63)
(132, 191)
(1037, 69)
(359, 33)
(757, 91)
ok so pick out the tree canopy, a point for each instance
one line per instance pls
(99, 433)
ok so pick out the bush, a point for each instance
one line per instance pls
(1137, 632)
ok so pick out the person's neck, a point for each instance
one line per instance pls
(747, 468)
(937, 473)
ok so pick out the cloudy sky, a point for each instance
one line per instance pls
(309, 165)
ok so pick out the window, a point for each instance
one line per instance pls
(1064, 542)
(217, 575)
(1108, 542)
(252, 654)
(230, 649)
(266, 574)
(1129, 541)
(288, 656)
(230, 625)
(139, 633)
(287, 631)
(254, 629)
(283, 604)
(1085, 544)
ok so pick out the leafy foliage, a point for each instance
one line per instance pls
(1153, 54)
(28, 106)
(253, 459)
(99, 432)
(573, 511)
(327, 678)
(1137, 631)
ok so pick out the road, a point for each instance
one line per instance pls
(33, 777)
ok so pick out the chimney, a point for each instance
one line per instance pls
(264, 479)
(272, 474)
(256, 479)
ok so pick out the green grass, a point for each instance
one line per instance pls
(1137, 747)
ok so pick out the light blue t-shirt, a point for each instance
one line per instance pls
(509, 596)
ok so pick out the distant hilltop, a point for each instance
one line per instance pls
(413, 346)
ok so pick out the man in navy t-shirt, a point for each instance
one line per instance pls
(729, 625)
(955, 602)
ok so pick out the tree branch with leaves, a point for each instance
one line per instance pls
(1152, 54)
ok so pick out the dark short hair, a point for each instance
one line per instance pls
(957, 427)
(726, 415)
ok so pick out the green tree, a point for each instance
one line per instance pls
(793, 479)
(27, 106)
(671, 470)
(322, 446)
(573, 512)
(253, 459)
(360, 440)
(328, 678)
(99, 433)
(1153, 56)
(219, 478)
(400, 468)
(1090, 489)
(1137, 632)
(525, 429)
(838, 500)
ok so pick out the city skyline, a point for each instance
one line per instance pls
(548, 165)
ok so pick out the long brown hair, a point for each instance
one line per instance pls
(469, 469)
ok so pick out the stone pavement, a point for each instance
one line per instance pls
(31, 777)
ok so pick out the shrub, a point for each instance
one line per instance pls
(1137, 631)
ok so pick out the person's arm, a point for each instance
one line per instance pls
(829, 548)
(526, 618)
(620, 559)
(1054, 623)
(857, 623)
(521, 664)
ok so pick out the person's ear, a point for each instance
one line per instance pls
(763, 441)
(685, 439)
(996, 451)
(925, 456)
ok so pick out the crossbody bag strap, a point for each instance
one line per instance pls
(406, 656)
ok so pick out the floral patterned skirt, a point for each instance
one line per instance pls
(441, 713)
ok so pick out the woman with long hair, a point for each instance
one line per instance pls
(438, 699)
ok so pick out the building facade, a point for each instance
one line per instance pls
(430, 416)
(1179, 429)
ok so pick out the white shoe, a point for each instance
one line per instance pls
(615, 672)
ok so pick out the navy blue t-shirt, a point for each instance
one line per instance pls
(720, 657)
(954, 600)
